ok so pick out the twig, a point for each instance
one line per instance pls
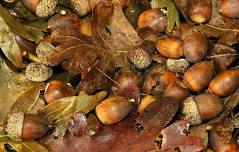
(222, 29)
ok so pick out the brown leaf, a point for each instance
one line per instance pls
(152, 120)
(223, 56)
(80, 54)
(151, 83)
(122, 136)
(174, 136)
(112, 30)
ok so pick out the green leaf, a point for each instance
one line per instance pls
(172, 13)
(60, 111)
(14, 88)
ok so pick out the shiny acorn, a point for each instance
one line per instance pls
(198, 76)
(177, 90)
(153, 19)
(170, 47)
(113, 109)
(199, 11)
(201, 108)
(22, 126)
(229, 8)
(225, 83)
(57, 89)
(195, 45)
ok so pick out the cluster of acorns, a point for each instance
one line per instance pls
(199, 76)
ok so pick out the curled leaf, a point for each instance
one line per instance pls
(60, 111)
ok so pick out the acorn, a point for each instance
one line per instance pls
(177, 90)
(147, 100)
(198, 76)
(199, 11)
(58, 21)
(113, 109)
(170, 47)
(153, 19)
(57, 89)
(201, 108)
(22, 126)
(229, 8)
(139, 57)
(81, 7)
(178, 65)
(42, 8)
(218, 145)
(225, 83)
(38, 72)
(195, 45)
(85, 28)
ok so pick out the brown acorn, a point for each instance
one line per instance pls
(170, 47)
(199, 11)
(147, 100)
(31, 5)
(195, 44)
(225, 83)
(113, 110)
(177, 90)
(153, 19)
(229, 8)
(201, 108)
(57, 89)
(198, 76)
(57, 21)
(22, 126)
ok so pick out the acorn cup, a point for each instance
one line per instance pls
(198, 76)
(57, 89)
(22, 126)
(229, 8)
(195, 45)
(225, 83)
(199, 11)
(139, 57)
(113, 109)
(153, 19)
(42, 8)
(170, 47)
(177, 65)
(201, 108)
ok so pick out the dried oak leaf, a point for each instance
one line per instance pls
(223, 56)
(59, 112)
(79, 55)
(182, 141)
(17, 92)
(152, 83)
(122, 136)
(112, 30)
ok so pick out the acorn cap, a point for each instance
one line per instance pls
(139, 57)
(45, 8)
(82, 7)
(15, 125)
(38, 72)
(178, 66)
(190, 111)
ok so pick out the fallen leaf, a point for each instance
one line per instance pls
(14, 25)
(60, 111)
(14, 87)
(223, 56)
(112, 30)
(9, 45)
(182, 141)
(151, 83)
